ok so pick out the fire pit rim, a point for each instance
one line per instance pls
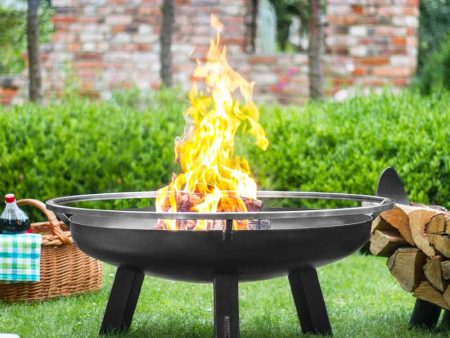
(371, 204)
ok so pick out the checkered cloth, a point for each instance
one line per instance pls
(20, 257)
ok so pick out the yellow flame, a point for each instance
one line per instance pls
(211, 172)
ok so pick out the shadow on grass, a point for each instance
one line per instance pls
(178, 326)
(262, 327)
(389, 324)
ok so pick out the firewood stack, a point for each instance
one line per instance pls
(416, 238)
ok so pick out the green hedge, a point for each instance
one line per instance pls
(77, 146)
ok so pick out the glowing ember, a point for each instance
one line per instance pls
(213, 179)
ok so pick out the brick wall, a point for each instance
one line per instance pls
(9, 89)
(371, 43)
(113, 44)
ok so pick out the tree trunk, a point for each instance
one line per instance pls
(165, 38)
(34, 63)
(315, 53)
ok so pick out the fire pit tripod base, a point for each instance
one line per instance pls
(305, 289)
(122, 300)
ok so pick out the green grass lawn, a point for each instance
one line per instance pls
(363, 301)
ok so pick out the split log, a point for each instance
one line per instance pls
(441, 243)
(433, 272)
(445, 267)
(447, 223)
(398, 218)
(418, 220)
(384, 243)
(447, 295)
(428, 293)
(437, 225)
(380, 224)
(406, 265)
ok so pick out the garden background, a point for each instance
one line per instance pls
(73, 143)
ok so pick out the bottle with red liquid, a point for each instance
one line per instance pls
(13, 220)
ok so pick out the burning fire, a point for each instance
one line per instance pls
(213, 178)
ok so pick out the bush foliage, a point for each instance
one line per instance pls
(79, 146)
(434, 27)
(435, 74)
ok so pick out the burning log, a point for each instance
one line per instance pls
(212, 177)
(188, 202)
(417, 239)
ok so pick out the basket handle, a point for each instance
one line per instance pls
(52, 219)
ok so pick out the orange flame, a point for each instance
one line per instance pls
(211, 173)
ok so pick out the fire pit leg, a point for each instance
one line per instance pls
(425, 314)
(309, 301)
(226, 306)
(122, 300)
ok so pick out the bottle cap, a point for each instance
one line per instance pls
(9, 198)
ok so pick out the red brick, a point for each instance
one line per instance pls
(129, 47)
(400, 82)
(367, 20)
(365, 41)
(343, 20)
(89, 56)
(359, 72)
(413, 2)
(398, 41)
(87, 19)
(88, 64)
(373, 60)
(118, 28)
(57, 19)
(232, 41)
(292, 90)
(342, 81)
(413, 11)
(373, 82)
(391, 71)
(7, 95)
(411, 31)
(74, 47)
(275, 88)
(262, 59)
(358, 9)
(233, 20)
(142, 47)
(339, 50)
(144, 10)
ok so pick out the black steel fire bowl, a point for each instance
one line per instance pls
(296, 243)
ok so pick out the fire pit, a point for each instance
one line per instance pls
(293, 242)
(210, 223)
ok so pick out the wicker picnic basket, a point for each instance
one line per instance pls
(65, 270)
